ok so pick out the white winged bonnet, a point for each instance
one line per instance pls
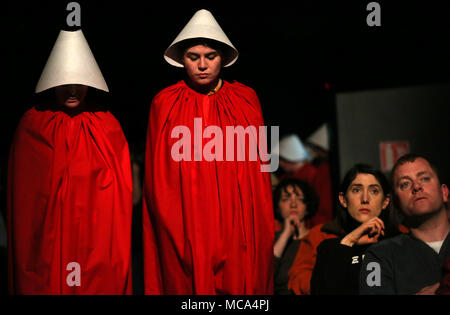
(201, 25)
(291, 149)
(71, 62)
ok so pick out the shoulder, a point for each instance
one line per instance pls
(316, 235)
(35, 119)
(330, 242)
(164, 100)
(106, 118)
(333, 247)
(389, 246)
(317, 230)
(34, 113)
(169, 92)
(244, 98)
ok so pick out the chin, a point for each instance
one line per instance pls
(204, 82)
(72, 105)
(364, 217)
(420, 212)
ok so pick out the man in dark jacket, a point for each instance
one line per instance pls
(412, 263)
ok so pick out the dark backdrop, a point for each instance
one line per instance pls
(297, 55)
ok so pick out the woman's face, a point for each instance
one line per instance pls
(203, 66)
(292, 202)
(71, 95)
(364, 198)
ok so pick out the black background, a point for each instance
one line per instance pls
(296, 55)
(289, 52)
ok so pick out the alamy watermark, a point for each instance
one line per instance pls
(73, 279)
(373, 279)
(374, 17)
(235, 148)
(74, 17)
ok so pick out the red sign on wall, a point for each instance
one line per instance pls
(390, 152)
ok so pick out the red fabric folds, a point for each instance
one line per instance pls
(208, 225)
(69, 201)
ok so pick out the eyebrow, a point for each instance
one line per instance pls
(291, 193)
(207, 54)
(361, 185)
(418, 174)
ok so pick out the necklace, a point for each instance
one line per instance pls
(217, 88)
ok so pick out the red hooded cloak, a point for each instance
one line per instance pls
(69, 205)
(208, 225)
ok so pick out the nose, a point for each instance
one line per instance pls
(202, 64)
(73, 89)
(365, 197)
(416, 187)
(293, 202)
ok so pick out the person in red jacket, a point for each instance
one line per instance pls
(208, 215)
(295, 163)
(69, 197)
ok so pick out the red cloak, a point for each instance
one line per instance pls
(208, 225)
(69, 205)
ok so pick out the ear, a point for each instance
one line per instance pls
(342, 200)
(444, 190)
(386, 201)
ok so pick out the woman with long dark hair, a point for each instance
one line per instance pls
(364, 218)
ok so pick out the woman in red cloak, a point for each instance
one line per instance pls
(69, 186)
(208, 218)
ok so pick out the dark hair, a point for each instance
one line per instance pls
(361, 168)
(344, 218)
(311, 199)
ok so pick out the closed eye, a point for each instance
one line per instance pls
(211, 56)
(192, 56)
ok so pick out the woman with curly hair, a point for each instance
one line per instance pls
(294, 202)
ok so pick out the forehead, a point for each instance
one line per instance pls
(201, 49)
(412, 169)
(365, 179)
(290, 189)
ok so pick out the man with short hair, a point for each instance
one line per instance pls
(412, 263)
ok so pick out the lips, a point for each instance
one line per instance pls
(419, 199)
(364, 210)
(203, 75)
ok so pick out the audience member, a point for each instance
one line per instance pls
(412, 263)
(294, 202)
(364, 214)
(294, 163)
